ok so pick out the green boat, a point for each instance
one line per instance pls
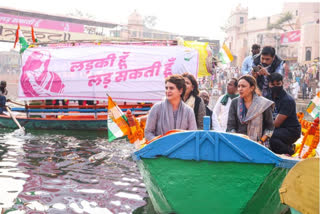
(212, 172)
(54, 123)
(62, 119)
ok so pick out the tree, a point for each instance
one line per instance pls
(284, 19)
(226, 26)
(150, 21)
(79, 14)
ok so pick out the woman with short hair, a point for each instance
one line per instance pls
(250, 113)
(172, 113)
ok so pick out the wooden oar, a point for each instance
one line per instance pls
(15, 102)
(14, 119)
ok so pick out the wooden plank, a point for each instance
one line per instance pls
(300, 188)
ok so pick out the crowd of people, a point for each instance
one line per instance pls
(300, 81)
(302, 78)
(257, 100)
(253, 102)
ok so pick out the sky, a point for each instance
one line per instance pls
(198, 17)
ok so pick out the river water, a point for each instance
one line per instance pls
(68, 172)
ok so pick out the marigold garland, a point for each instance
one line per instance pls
(313, 145)
(312, 130)
(136, 131)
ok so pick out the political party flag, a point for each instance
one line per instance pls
(34, 39)
(314, 106)
(23, 42)
(225, 54)
(118, 125)
(204, 50)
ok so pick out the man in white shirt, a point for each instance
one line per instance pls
(222, 106)
(248, 61)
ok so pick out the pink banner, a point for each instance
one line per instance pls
(290, 37)
(124, 72)
(41, 23)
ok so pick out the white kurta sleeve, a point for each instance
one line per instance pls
(215, 123)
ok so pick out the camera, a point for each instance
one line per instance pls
(256, 68)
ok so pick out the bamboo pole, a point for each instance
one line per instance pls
(14, 119)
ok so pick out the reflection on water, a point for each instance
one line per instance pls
(68, 172)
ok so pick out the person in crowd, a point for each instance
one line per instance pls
(248, 61)
(223, 103)
(250, 113)
(3, 87)
(206, 98)
(172, 113)
(192, 99)
(304, 87)
(3, 93)
(295, 88)
(310, 94)
(2, 103)
(264, 65)
(214, 124)
(223, 86)
(287, 127)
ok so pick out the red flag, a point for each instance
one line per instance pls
(32, 34)
(17, 36)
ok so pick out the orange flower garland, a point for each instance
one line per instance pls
(136, 128)
(313, 130)
(313, 145)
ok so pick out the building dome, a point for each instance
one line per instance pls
(135, 18)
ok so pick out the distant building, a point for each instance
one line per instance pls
(54, 28)
(9, 62)
(58, 29)
(51, 28)
(137, 30)
(298, 41)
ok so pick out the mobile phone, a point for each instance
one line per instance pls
(256, 68)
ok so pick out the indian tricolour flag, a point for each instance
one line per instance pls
(23, 42)
(225, 54)
(117, 121)
(314, 106)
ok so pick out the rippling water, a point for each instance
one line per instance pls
(68, 172)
